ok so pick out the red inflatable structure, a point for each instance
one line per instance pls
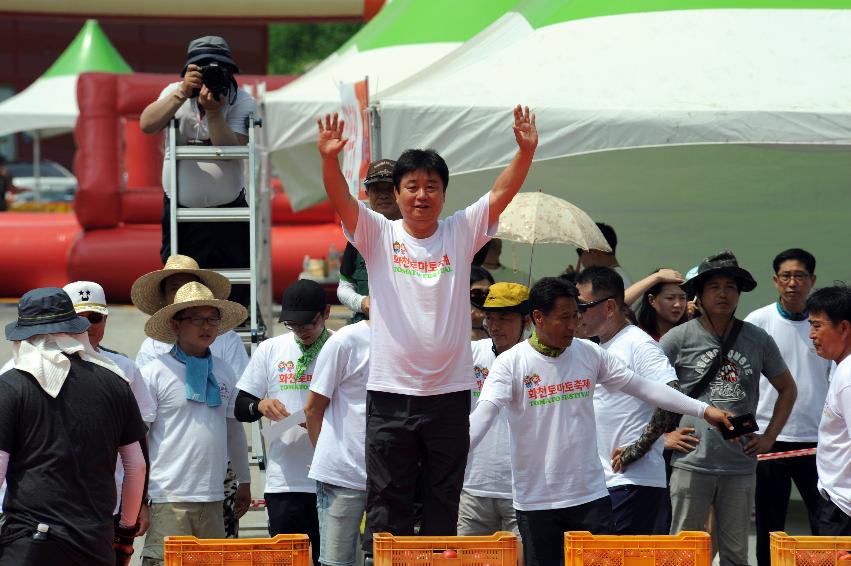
(119, 201)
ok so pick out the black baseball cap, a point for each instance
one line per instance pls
(301, 301)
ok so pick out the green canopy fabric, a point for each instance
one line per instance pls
(49, 105)
(90, 51)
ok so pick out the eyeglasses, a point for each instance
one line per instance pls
(201, 320)
(787, 276)
(478, 296)
(582, 307)
(296, 327)
(94, 317)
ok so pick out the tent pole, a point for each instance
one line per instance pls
(37, 163)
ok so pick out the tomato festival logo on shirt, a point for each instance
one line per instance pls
(415, 268)
(727, 385)
(481, 374)
(544, 394)
(287, 379)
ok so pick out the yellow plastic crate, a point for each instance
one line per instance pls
(281, 550)
(809, 550)
(688, 548)
(498, 549)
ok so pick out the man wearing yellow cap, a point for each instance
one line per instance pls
(486, 505)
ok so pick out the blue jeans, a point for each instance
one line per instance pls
(340, 511)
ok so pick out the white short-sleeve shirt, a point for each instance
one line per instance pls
(833, 457)
(187, 440)
(488, 472)
(621, 418)
(203, 183)
(227, 347)
(271, 374)
(808, 369)
(550, 407)
(342, 369)
(420, 300)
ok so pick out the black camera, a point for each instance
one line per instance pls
(217, 78)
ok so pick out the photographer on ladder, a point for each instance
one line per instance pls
(211, 110)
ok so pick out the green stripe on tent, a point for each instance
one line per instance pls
(91, 50)
(410, 22)
(542, 13)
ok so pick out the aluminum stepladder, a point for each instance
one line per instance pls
(258, 275)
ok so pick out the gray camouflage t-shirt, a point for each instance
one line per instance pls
(691, 349)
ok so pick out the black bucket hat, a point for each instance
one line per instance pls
(723, 263)
(46, 310)
(209, 48)
(302, 301)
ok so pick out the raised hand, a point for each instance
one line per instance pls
(525, 131)
(331, 141)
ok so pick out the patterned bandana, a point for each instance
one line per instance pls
(791, 315)
(548, 351)
(309, 353)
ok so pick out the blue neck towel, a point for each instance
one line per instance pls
(201, 384)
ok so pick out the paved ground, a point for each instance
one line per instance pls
(125, 333)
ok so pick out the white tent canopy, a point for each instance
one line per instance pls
(404, 38)
(689, 130)
(637, 80)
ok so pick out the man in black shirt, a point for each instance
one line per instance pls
(65, 414)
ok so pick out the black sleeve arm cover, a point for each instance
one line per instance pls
(246, 410)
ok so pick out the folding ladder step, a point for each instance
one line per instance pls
(213, 214)
(212, 151)
(236, 276)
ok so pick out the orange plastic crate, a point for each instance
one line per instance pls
(809, 550)
(282, 550)
(498, 549)
(688, 548)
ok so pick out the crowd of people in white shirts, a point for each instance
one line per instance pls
(573, 412)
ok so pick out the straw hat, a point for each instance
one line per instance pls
(193, 294)
(147, 295)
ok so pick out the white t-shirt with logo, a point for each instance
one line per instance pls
(550, 407)
(342, 369)
(187, 440)
(204, 183)
(271, 374)
(621, 418)
(833, 457)
(809, 370)
(227, 347)
(488, 472)
(420, 300)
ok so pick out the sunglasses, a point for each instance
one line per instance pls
(94, 317)
(582, 306)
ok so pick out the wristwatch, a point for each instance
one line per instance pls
(179, 95)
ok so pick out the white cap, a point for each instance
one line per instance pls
(87, 296)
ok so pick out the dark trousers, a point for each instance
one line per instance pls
(832, 521)
(542, 532)
(636, 509)
(293, 514)
(25, 551)
(214, 245)
(411, 439)
(773, 484)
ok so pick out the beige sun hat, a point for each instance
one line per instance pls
(193, 294)
(147, 295)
